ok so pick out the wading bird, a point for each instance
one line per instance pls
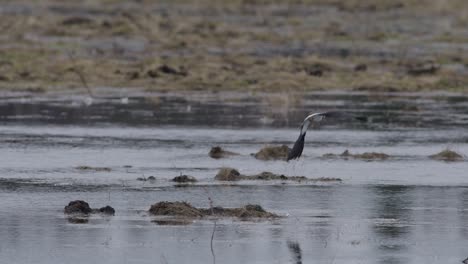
(296, 151)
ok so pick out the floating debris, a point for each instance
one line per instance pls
(218, 153)
(273, 153)
(447, 155)
(184, 179)
(93, 168)
(184, 209)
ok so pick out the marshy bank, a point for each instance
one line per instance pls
(254, 46)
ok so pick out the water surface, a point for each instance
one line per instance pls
(406, 209)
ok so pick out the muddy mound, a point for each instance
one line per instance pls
(183, 209)
(89, 168)
(184, 179)
(364, 156)
(228, 174)
(83, 208)
(175, 209)
(108, 210)
(266, 175)
(77, 207)
(371, 156)
(248, 211)
(218, 153)
(447, 155)
(273, 153)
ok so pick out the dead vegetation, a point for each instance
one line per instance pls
(447, 155)
(184, 209)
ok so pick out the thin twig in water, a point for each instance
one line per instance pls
(211, 243)
(214, 227)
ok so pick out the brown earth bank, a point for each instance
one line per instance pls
(242, 45)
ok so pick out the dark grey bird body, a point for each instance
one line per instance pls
(298, 146)
(297, 149)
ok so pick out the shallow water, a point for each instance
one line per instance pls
(407, 209)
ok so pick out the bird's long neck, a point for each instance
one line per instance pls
(304, 129)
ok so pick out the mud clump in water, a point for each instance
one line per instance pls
(184, 179)
(371, 156)
(273, 153)
(266, 175)
(183, 209)
(80, 207)
(228, 174)
(175, 209)
(89, 168)
(108, 210)
(447, 155)
(248, 211)
(218, 153)
(77, 207)
(364, 156)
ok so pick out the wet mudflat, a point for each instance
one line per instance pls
(406, 208)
